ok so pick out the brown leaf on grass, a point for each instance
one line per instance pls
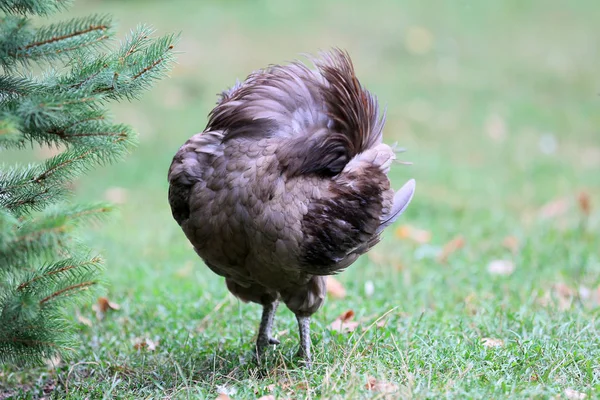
(105, 304)
(495, 127)
(380, 324)
(222, 396)
(185, 271)
(534, 377)
(564, 294)
(387, 259)
(573, 394)
(145, 344)
(116, 195)
(376, 257)
(555, 208)
(501, 267)
(84, 320)
(451, 247)
(53, 362)
(491, 342)
(511, 243)
(102, 306)
(420, 236)
(470, 305)
(563, 290)
(344, 322)
(419, 40)
(335, 288)
(584, 202)
(380, 386)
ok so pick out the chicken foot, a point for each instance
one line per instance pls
(264, 330)
(304, 329)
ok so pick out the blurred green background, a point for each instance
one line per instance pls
(496, 103)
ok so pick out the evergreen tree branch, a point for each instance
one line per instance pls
(125, 73)
(32, 188)
(31, 322)
(44, 236)
(10, 135)
(68, 291)
(21, 44)
(32, 6)
(43, 268)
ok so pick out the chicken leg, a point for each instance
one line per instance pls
(264, 330)
(304, 328)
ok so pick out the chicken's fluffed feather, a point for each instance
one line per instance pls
(287, 184)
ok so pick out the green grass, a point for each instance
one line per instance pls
(526, 70)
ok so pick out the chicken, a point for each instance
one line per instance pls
(286, 185)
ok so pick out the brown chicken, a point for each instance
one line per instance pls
(286, 185)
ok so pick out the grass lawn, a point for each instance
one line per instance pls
(497, 103)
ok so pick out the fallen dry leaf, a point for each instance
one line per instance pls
(380, 386)
(563, 290)
(410, 232)
(377, 257)
(344, 322)
(573, 394)
(223, 396)
(495, 127)
(116, 195)
(555, 208)
(53, 362)
(564, 294)
(511, 243)
(335, 288)
(146, 344)
(419, 40)
(49, 387)
(186, 270)
(380, 324)
(84, 320)
(105, 304)
(491, 342)
(585, 203)
(470, 304)
(452, 246)
(501, 267)
(102, 306)
(534, 377)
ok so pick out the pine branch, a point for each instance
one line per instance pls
(32, 6)
(10, 135)
(44, 236)
(126, 73)
(32, 188)
(43, 268)
(21, 44)
(32, 325)
(12, 87)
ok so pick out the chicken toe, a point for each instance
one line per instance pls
(264, 338)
